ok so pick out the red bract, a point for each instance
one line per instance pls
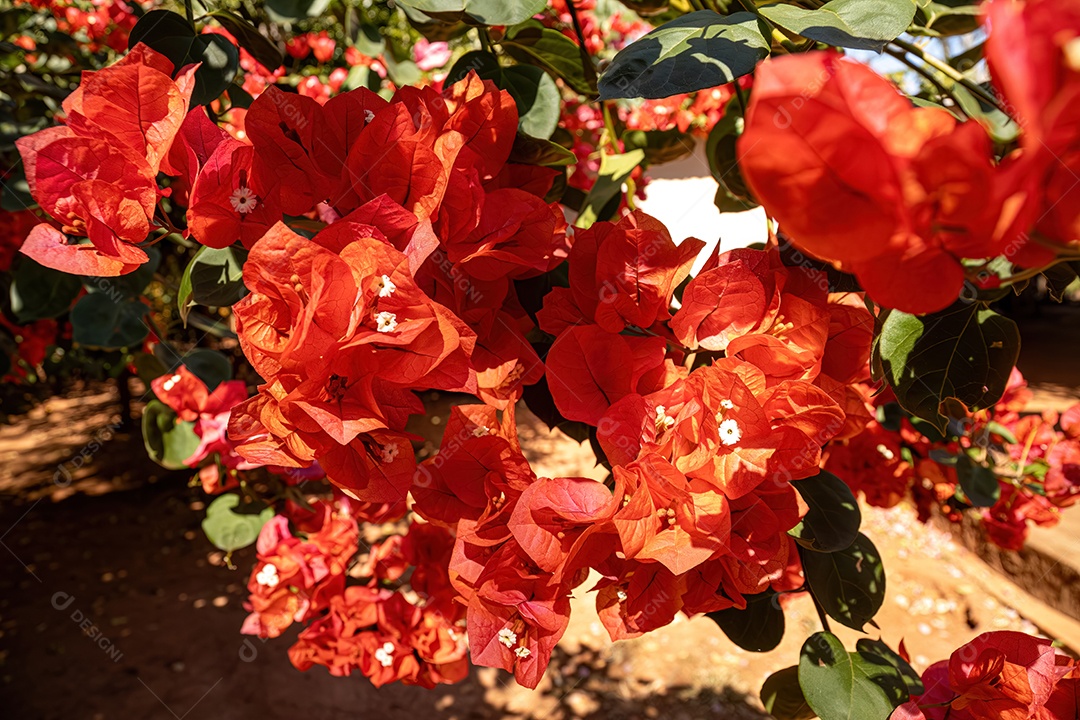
(192, 401)
(923, 193)
(97, 175)
(1001, 676)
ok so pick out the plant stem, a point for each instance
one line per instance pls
(189, 10)
(902, 57)
(586, 61)
(948, 70)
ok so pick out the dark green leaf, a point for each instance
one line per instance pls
(783, 698)
(158, 25)
(979, 483)
(758, 628)
(260, 47)
(485, 12)
(537, 99)
(38, 292)
(484, 63)
(169, 441)
(849, 583)
(832, 523)
(614, 171)
(839, 685)
(660, 146)
(230, 527)
(210, 366)
(531, 42)
(535, 151)
(220, 62)
(98, 320)
(846, 23)
(214, 277)
(965, 352)
(699, 50)
(286, 10)
(867, 648)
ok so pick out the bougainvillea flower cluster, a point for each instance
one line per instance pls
(920, 191)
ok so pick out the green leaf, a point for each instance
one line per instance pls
(979, 483)
(230, 526)
(537, 98)
(869, 648)
(699, 50)
(783, 698)
(614, 171)
(402, 72)
(839, 685)
(758, 628)
(660, 146)
(536, 151)
(214, 277)
(547, 48)
(484, 12)
(832, 523)
(856, 24)
(287, 10)
(1005, 433)
(38, 292)
(964, 353)
(849, 583)
(220, 62)
(99, 321)
(260, 47)
(169, 441)
(484, 63)
(157, 26)
(720, 150)
(210, 366)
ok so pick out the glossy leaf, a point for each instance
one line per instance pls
(846, 23)
(758, 628)
(260, 47)
(214, 277)
(832, 523)
(783, 698)
(876, 648)
(537, 98)
(614, 171)
(849, 583)
(699, 50)
(979, 483)
(531, 42)
(965, 352)
(839, 685)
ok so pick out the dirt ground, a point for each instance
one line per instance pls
(114, 605)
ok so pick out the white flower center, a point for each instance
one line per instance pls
(385, 654)
(522, 652)
(386, 286)
(727, 404)
(243, 200)
(480, 431)
(386, 322)
(730, 432)
(389, 454)
(170, 383)
(507, 637)
(621, 595)
(369, 115)
(663, 420)
(268, 576)
(885, 452)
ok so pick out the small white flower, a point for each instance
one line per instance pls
(523, 652)
(243, 200)
(386, 322)
(386, 286)
(730, 432)
(727, 404)
(621, 595)
(480, 431)
(268, 576)
(389, 454)
(385, 654)
(507, 637)
(885, 452)
(170, 383)
(369, 115)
